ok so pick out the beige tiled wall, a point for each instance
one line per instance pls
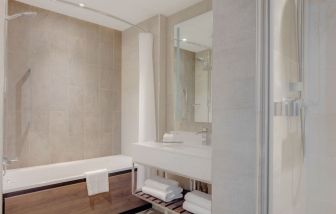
(234, 87)
(69, 106)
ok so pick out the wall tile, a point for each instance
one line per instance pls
(72, 97)
(234, 139)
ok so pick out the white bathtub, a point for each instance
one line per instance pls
(39, 176)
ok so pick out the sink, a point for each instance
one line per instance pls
(193, 161)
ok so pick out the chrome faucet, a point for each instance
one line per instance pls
(5, 162)
(204, 133)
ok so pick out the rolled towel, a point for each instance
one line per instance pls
(193, 208)
(162, 184)
(200, 198)
(164, 196)
(165, 181)
(97, 181)
(170, 138)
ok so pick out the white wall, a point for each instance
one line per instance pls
(234, 86)
(320, 72)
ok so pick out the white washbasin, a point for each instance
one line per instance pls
(193, 150)
(193, 161)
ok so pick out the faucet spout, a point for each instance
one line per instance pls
(204, 133)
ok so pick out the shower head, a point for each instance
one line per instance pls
(17, 15)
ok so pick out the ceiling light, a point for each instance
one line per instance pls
(81, 4)
(184, 40)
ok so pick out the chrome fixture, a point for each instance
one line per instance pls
(17, 15)
(83, 6)
(288, 107)
(5, 162)
(205, 61)
(204, 133)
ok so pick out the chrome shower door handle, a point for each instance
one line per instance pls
(303, 128)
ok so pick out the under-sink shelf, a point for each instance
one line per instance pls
(174, 206)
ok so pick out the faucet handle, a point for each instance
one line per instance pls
(7, 161)
(203, 130)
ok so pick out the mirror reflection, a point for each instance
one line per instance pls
(193, 67)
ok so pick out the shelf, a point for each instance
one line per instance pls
(174, 206)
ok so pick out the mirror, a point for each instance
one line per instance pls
(193, 67)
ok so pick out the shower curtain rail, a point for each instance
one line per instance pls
(101, 13)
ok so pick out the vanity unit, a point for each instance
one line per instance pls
(185, 150)
(189, 161)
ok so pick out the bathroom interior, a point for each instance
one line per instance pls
(179, 106)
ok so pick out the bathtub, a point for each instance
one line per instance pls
(61, 188)
(23, 179)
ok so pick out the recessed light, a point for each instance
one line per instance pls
(81, 4)
(184, 40)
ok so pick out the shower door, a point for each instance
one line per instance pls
(302, 153)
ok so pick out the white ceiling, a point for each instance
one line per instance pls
(197, 32)
(134, 11)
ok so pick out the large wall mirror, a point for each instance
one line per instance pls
(193, 68)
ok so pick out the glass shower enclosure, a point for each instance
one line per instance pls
(302, 138)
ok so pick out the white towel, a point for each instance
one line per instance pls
(170, 138)
(200, 198)
(165, 181)
(143, 173)
(97, 181)
(193, 208)
(164, 196)
(163, 185)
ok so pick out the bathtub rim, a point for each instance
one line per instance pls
(141, 208)
(68, 179)
(59, 184)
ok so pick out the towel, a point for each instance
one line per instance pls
(165, 181)
(200, 198)
(168, 137)
(97, 181)
(164, 185)
(164, 196)
(193, 208)
(143, 173)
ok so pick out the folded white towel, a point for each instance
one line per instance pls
(164, 196)
(165, 181)
(163, 185)
(168, 137)
(97, 181)
(193, 208)
(200, 198)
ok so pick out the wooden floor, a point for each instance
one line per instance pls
(73, 199)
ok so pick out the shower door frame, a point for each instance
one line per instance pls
(3, 39)
(264, 97)
(265, 67)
